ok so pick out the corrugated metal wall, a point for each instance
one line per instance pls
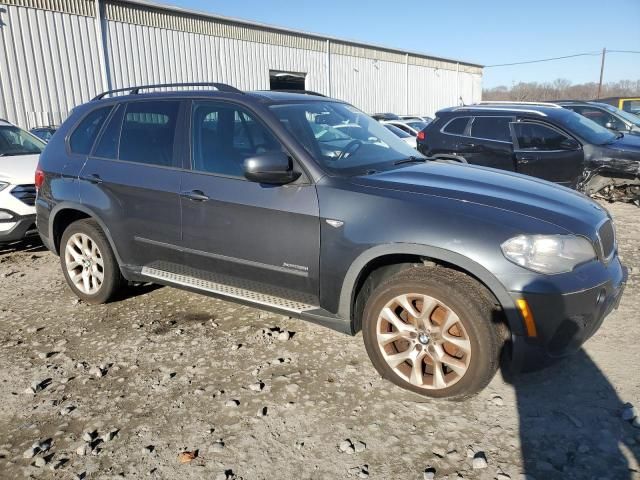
(50, 51)
(48, 64)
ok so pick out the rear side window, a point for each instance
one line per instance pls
(533, 136)
(491, 128)
(457, 126)
(109, 140)
(148, 132)
(84, 135)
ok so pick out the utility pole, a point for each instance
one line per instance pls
(604, 54)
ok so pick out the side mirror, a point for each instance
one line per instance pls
(273, 168)
(610, 126)
(570, 144)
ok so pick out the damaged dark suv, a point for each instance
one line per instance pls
(305, 206)
(542, 140)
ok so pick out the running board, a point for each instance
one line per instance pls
(208, 282)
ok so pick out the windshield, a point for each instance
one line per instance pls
(585, 128)
(396, 130)
(15, 141)
(342, 138)
(629, 117)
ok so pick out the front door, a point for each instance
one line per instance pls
(545, 152)
(235, 232)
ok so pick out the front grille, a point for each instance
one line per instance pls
(607, 236)
(25, 193)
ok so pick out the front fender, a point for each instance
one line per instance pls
(434, 253)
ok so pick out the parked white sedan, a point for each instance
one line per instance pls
(406, 137)
(19, 153)
(412, 127)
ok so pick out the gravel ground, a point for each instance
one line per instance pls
(170, 384)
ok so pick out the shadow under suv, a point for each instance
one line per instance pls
(305, 206)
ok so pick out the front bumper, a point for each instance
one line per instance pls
(18, 228)
(564, 321)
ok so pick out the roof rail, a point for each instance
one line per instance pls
(497, 108)
(222, 87)
(510, 102)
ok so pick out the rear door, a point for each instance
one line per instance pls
(445, 141)
(255, 237)
(487, 142)
(543, 151)
(131, 181)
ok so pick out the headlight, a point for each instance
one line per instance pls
(3, 185)
(548, 253)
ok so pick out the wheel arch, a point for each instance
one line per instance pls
(389, 259)
(65, 214)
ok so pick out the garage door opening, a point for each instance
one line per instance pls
(279, 80)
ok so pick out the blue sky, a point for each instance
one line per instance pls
(486, 32)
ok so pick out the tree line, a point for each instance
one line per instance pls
(561, 89)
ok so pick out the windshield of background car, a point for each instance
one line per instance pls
(15, 141)
(396, 130)
(342, 138)
(629, 117)
(585, 128)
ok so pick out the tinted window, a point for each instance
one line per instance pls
(491, 128)
(600, 116)
(533, 136)
(108, 144)
(84, 135)
(223, 136)
(148, 132)
(457, 126)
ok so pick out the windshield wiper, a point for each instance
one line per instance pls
(410, 159)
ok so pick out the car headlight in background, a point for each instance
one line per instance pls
(548, 253)
(3, 185)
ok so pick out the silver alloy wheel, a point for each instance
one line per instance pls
(423, 341)
(84, 263)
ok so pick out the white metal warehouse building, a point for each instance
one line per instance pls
(56, 54)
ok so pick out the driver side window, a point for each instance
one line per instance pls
(223, 136)
(533, 136)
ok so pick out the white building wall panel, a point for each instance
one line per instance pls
(48, 64)
(139, 55)
(371, 85)
(50, 61)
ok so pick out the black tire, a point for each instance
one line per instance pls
(112, 281)
(464, 296)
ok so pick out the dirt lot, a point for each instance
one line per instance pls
(121, 390)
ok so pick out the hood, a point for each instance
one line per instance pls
(628, 143)
(494, 188)
(18, 169)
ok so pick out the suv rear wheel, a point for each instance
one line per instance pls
(432, 330)
(88, 262)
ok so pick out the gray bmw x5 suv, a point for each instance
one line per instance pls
(305, 206)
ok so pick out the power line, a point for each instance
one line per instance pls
(589, 54)
(586, 54)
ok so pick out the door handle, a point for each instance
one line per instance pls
(93, 178)
(195, 195)
(524, 160)
(470, 145)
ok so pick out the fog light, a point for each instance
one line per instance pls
(5, 215)
(601, 297)
(527, 316)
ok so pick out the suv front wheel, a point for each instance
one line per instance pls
(432, 330)
(88, 262)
